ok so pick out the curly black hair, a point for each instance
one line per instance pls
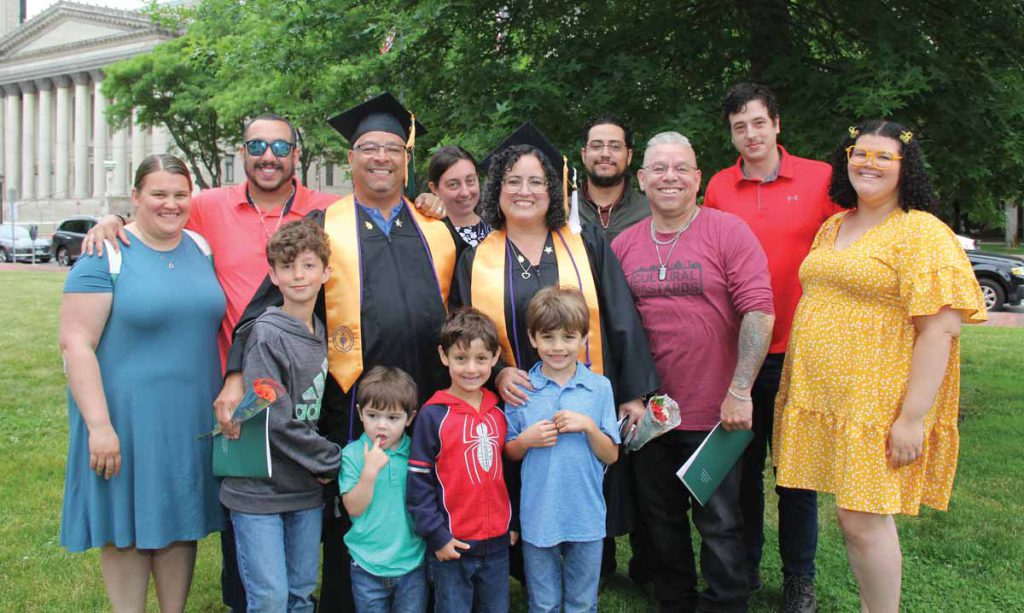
(915, 187)
(489, 207)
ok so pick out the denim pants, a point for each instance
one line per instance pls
(798, 509)
(568, 572)
(278, 559)
(404, 594)
(477, 583)
(664, 502)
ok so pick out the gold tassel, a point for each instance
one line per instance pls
(409, 144)
(565, 186)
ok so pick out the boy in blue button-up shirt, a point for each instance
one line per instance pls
(565, 434)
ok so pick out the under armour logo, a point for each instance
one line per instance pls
(793, 198)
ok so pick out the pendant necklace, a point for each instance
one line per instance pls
(663, 264)
(170, 262)
(522, 262)
(263, 217)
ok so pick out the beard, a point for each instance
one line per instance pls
(607, 180)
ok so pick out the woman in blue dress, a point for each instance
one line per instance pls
(139, 339)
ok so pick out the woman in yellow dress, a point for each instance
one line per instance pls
(867, 409)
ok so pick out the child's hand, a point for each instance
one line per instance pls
(374, 458)
(451, 550)
(544, 433)
(513, 538)
(571, 421)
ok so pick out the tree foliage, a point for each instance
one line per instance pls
(473, 70)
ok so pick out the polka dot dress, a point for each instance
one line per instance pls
(848, 362)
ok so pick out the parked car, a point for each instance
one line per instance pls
(16, 244)
(66, 244)
(1001, 278)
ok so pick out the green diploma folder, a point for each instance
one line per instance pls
(249, 454)
(704, 471)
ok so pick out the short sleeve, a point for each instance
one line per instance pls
(608, 423)
(827, 232)
(514, 417)
(351, 468)
(90, 275)
(934, 271)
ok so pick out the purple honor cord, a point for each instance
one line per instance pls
(579, 282)
(512, 297)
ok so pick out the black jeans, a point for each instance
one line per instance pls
(664, 502)
(798, 509)
(232, 592)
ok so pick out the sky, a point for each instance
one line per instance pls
(34, 7)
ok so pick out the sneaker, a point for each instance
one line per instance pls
(798, 595)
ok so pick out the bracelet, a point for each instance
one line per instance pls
(738, 397)
(124, 220)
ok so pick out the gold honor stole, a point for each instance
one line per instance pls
(488, 291)
(343, 292)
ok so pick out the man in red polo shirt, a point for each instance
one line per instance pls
(784, 200)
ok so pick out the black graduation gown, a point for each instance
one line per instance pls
(401, 317)
(627, 357)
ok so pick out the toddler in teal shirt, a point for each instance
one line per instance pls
(388, 573)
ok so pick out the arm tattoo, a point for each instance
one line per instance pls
(754, 338)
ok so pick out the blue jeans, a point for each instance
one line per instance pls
(578, 565)
(405, 594)
(471, 583)
(798, 509)
(278, 559)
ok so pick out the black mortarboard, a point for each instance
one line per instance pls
(526, 134)
(381, 114)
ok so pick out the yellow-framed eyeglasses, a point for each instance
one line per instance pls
(862, 156)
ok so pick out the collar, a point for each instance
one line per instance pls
(299, 201)
(628, 187)
(785, 169)
(443, 397)
(582, 378)
(403, 445)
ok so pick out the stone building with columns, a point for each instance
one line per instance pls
(60, 157)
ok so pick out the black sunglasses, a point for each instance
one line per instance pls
(257, 147)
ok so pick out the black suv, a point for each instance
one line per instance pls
(67, 240)
(1001, 278)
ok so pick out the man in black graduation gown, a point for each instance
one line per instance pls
(385, 303)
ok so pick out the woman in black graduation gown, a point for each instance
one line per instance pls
(530, 248)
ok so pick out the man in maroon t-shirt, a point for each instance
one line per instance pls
(700, 281)
(784, 199)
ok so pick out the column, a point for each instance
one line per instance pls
(28, 141)
(12, 140)
(45, 87)
(82, 93)
(2, 139)
(119, 153)
(99, 137)
(138, 142)
(161, 139)
(62, 139)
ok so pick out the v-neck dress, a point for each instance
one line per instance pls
(848, 364)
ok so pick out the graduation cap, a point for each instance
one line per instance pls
(383, 113)
(529, 134)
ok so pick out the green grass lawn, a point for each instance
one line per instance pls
(969, 559)
(1000, 248)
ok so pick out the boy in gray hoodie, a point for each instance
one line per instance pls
(277, 520)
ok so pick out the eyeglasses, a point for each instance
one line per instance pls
(534, 185)
(371, 149)
(862, 156)
(661, 169)
(257, 147)
(597, 146)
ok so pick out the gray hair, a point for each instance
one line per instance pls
(666, 138)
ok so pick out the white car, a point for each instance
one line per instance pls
(969, 244)
(16, 244)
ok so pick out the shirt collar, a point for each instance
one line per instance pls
(785, 169)
(403, 445)
(300, 204)
(582, 378)
(627, 187)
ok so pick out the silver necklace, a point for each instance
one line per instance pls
(169, 260)
(663, 264)
(522, 262)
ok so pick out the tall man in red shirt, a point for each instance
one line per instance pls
(784, 200)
